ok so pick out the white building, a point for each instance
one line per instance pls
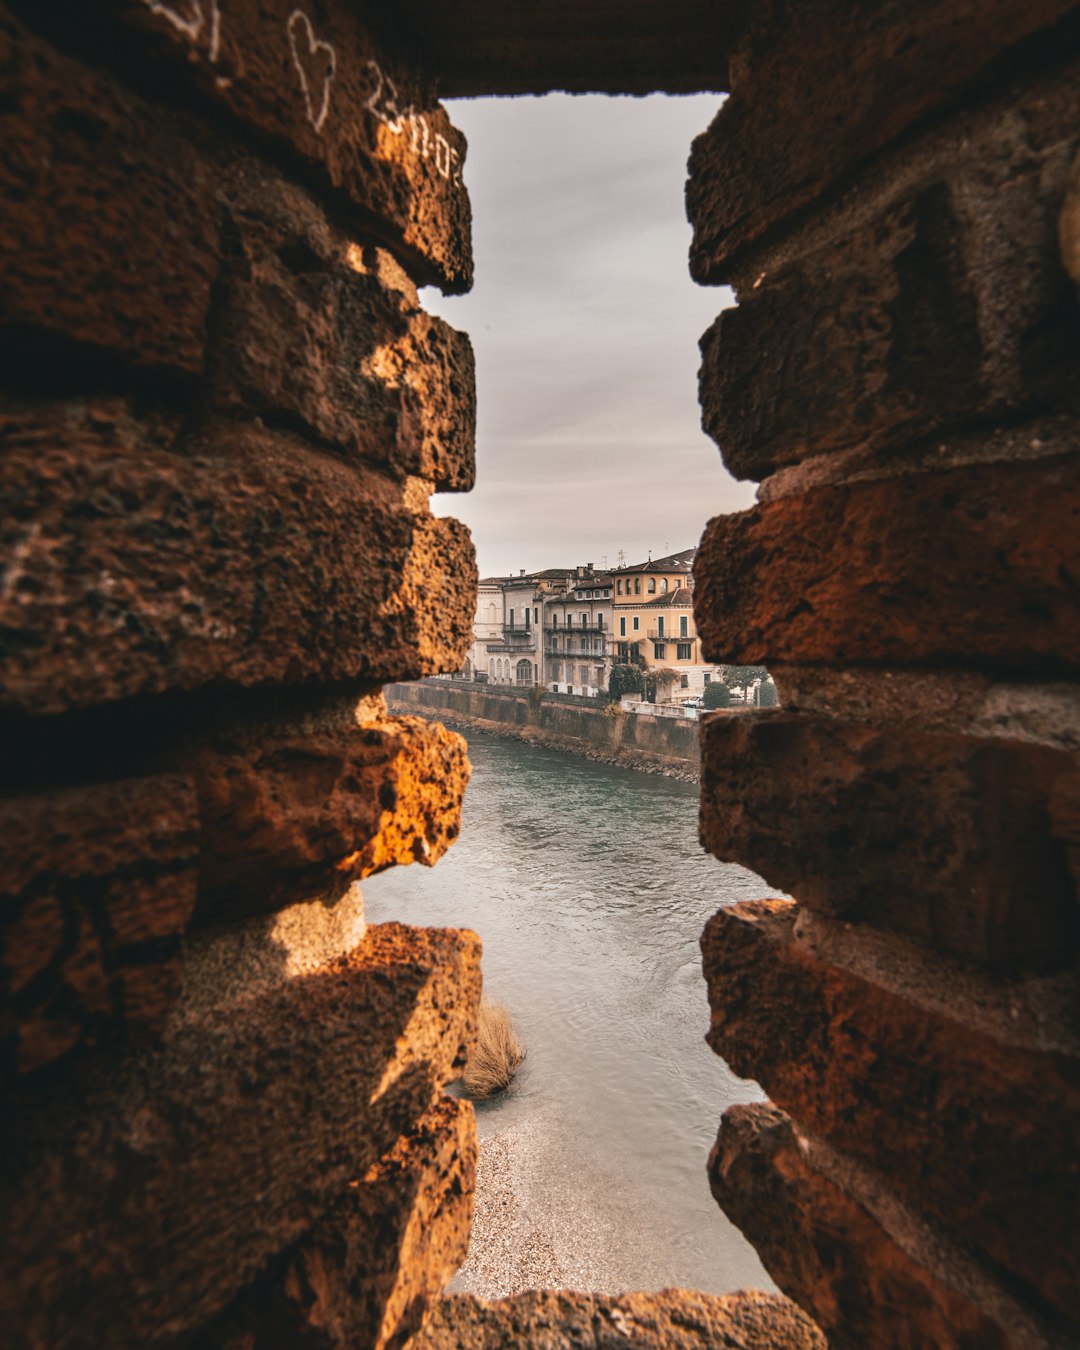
(577, 651)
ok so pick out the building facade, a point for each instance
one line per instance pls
(577, 635)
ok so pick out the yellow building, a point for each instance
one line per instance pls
(653, 622)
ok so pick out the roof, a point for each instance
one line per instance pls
(674, 562)
(683, 598)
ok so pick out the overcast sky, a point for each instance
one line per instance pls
(585, 324)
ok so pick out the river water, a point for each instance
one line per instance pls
(590, 890)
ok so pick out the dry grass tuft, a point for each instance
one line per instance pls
(496, 1056)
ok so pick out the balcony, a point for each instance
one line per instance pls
(656, 635)
(576, 628)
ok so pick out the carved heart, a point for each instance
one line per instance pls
(185, 15)
(315, 62)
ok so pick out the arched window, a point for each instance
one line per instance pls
(491, 667)
(663, 585)
(652, 585)
(637, 585)
(618, 588)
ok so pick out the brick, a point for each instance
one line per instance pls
(273, 1092)
(817, 89)
(110, 232)
(288, 817)
(97, 885)
(970, 567)
(882, 321)
(314, 328)
(673, 1319)
(243, 557)
(940, 1107)
(359, 121)
(949, 839)
(829, 1252)
(383, 1251)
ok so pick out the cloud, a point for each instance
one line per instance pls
(585, 323)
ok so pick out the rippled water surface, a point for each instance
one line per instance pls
(590, 890)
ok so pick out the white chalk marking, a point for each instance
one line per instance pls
(174, 12)
(298, 21)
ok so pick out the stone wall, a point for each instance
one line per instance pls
(222, 411)
(659, 744)
(892, 192)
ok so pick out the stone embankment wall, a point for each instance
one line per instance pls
(894, 193)
(656, 744)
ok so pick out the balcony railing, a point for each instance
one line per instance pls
(657, 635)
(576, 628)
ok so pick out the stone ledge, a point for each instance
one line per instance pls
(674, 1319)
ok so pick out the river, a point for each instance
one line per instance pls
(590, 890)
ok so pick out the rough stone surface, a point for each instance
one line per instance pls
(525, 47)
(826, 1249)
(242, 556)
(97, 885)
(950, 839)
(358, 120)
(363, 1275)
(883, 321)
(197, 1164)
(291, 816)
(311, 328)
(868, 74)
(969, 567)
(943, 1109)
(674, 1319)
(110, 233)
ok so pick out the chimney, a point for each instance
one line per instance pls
(522, 572)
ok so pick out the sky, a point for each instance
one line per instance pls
(585, 325)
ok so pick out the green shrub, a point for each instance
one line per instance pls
(717, 695)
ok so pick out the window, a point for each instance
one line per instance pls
(684, 626)
(621, 650)
(637, 623)
(658, 650)
(554, 619)
(637, 585)
(584, 621)
(707, 677)
(635, 652)
(511, 618)
(600, 622)
(660, 626)
(618, 588)
(569, 621)
(583, 671)
(685, 648)
(555, 671)
(652, 585)
(536, 616)
(622, 625)
(663, 585)
(684, 681)
(554, 644)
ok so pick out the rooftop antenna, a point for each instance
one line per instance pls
(603, 562)
(622, 558)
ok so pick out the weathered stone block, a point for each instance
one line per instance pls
(137, 1213)
(110, 232)
(384, 1250)
(868, 74)
(311, 327)
(950, 839)
(674, 1319)
(883, 321)
(294, 816)
(970, 567)
(827, 1251)
(940, 1107)
(241, 556)
(352, 114)
(96, 888)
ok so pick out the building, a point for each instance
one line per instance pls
(577, 634)
(653, 624)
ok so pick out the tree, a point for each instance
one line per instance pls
(717, 695)
(624, 680)
(742, 677)
(767, 694)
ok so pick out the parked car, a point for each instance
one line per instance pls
(694, 702)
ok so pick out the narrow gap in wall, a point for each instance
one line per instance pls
(586, 880)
